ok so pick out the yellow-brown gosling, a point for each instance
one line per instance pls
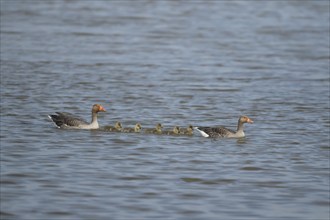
(116, 128)
(156, 130)
(137, 128)
(174, 131)
(188, 131)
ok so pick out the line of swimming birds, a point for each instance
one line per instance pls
(69, 121)
(157, 130)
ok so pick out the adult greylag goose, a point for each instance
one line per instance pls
(137, 128)
(174, 131)
(116, 128)
(188, 131)
(217, 132)
(67, 120)
(156, 130)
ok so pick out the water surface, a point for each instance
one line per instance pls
(177, 63)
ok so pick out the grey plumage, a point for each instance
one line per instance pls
(216, 132)
(219, 132)
(67, 120)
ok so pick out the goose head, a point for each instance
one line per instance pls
(245, 119)
(98, 108)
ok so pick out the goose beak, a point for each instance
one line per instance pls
(249, 121)
(101, 109)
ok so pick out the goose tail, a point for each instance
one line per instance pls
(200, 130)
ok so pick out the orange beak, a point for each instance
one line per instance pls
(101, 109)
(249, 121)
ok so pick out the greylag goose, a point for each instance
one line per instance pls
(188, 131)
(136, 129)
(174, 131)
(116, 128)
(156, 130)
(215, 132)
(67, 120)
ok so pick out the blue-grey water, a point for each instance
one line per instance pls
(177, 63)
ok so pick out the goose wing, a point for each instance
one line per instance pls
(64, 119)
(215, 131)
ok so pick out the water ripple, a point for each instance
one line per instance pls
(204, 63)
